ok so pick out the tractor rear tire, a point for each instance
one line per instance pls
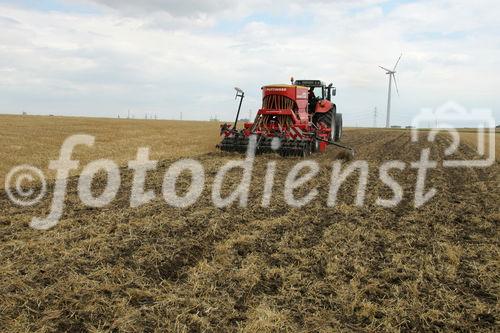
(337, 128)
(333, 120)
(325, 118)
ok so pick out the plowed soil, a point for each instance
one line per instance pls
(276, 269)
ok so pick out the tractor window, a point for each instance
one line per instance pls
(318, 92)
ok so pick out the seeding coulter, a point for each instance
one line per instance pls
(295, 120)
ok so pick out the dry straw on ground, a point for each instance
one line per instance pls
(36, 140)
(314, 269)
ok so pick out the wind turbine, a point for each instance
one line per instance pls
(392, 74)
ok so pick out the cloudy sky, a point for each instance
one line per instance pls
(164, 57)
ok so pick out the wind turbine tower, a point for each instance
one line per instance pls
(392, 75)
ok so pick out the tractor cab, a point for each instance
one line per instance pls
(318, 92)
(318, 89)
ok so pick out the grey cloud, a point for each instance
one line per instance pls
(174, 7)
(67, 64)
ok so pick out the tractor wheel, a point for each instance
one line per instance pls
(333, 120)
(325, 118)
(337, 128)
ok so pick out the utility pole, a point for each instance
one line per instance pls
(375, 117)
(181, 115)
(128, 114)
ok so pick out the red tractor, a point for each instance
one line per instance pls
(295, 120)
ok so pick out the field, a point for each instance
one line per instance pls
(254, 269)
(36, 140)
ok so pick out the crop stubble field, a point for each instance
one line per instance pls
(314, 269)
(38, 139)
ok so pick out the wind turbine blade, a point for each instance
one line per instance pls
(397, 62)
(395, 83)
(385, 69)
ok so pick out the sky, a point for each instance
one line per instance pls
(104, 58)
